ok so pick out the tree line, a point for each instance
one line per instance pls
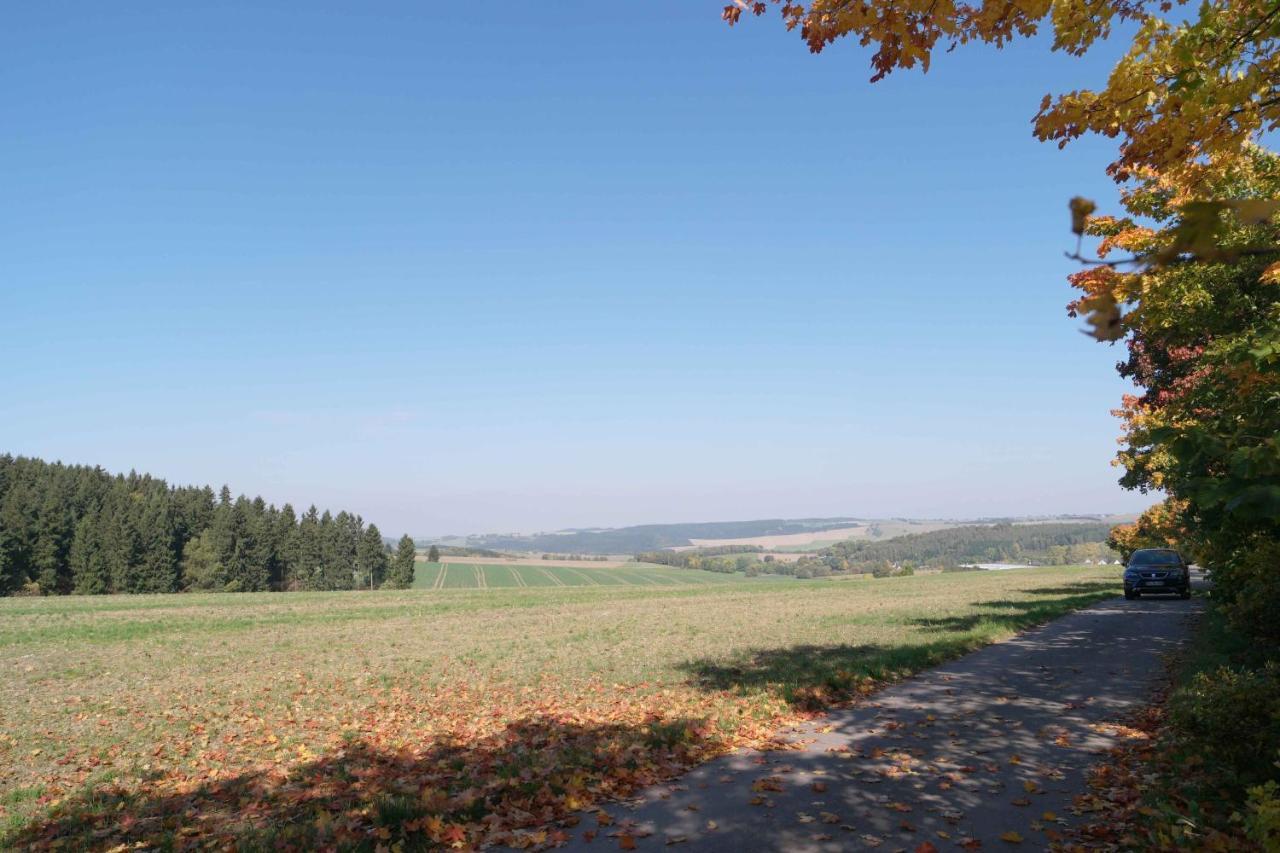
(76, 529)
(1034, 544)
(725, 559)
(1041, 542)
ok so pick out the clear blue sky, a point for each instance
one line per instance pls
(473, 267)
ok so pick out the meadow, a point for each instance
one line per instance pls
(442, 716)
(497, 575)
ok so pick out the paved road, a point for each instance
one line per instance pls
(972, 750)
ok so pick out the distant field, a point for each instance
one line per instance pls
(813, 540)
(455, 575)
(451, 717)
(531, 561)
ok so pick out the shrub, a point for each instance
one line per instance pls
(1231, 718)
(1250, 585)
(1262, 821)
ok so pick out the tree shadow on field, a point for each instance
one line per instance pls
(510, 787)
(497, 789)
(812, 677)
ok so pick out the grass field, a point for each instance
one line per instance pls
(449, 575)
(440, 716)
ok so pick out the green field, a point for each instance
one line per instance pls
(437, 717)
(477, 576)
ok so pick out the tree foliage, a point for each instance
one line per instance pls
(1203, 347)
(401, 574)
(72, 528)
(1193, 87)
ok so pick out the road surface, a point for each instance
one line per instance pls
(993, 743)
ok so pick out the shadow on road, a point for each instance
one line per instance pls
(471, 790)
(815, 676)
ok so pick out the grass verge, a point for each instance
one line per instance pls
(1199, 769)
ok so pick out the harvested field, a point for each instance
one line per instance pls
(440, 716)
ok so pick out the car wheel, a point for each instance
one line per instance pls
(1130, 596)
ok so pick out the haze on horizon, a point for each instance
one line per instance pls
(475, 269)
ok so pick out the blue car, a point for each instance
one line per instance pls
(1156, 570)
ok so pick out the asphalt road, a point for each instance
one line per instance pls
(996, 742)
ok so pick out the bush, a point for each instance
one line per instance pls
(1262, 822)
(1231, 718)
(1249, 586)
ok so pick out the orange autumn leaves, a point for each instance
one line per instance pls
(460, 765)
(1189, 93)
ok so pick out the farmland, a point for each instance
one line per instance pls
(442, 715)
(498, 575)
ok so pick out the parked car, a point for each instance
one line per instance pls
(1156, 570)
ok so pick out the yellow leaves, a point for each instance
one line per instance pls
(1254, 211)
(1102, 312)
(1081, 208)
(1184, 100)
(1011, 837)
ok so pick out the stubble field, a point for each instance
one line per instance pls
(531, 573)
(440, 717)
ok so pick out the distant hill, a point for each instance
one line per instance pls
(767, 533)
(1052, 543)
(646, 537)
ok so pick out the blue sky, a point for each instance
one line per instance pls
(479, 267)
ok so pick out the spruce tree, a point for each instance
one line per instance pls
(310, 553)
(89, 574)
(401, 576)
(200, 566)
(371, 558)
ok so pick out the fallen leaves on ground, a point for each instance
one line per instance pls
(462, 765)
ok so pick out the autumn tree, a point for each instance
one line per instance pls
(1187, 276)
(1189, 92)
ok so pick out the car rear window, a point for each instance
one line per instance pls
(1154, 557)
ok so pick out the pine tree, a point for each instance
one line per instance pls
(433, 555)
(401, 575)
(17, 516)
(371, 558)
(310, 552)
(200, 566)
(67, 528)
(157, 559)
(52, 542)
(89, 573)
(285, 565)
